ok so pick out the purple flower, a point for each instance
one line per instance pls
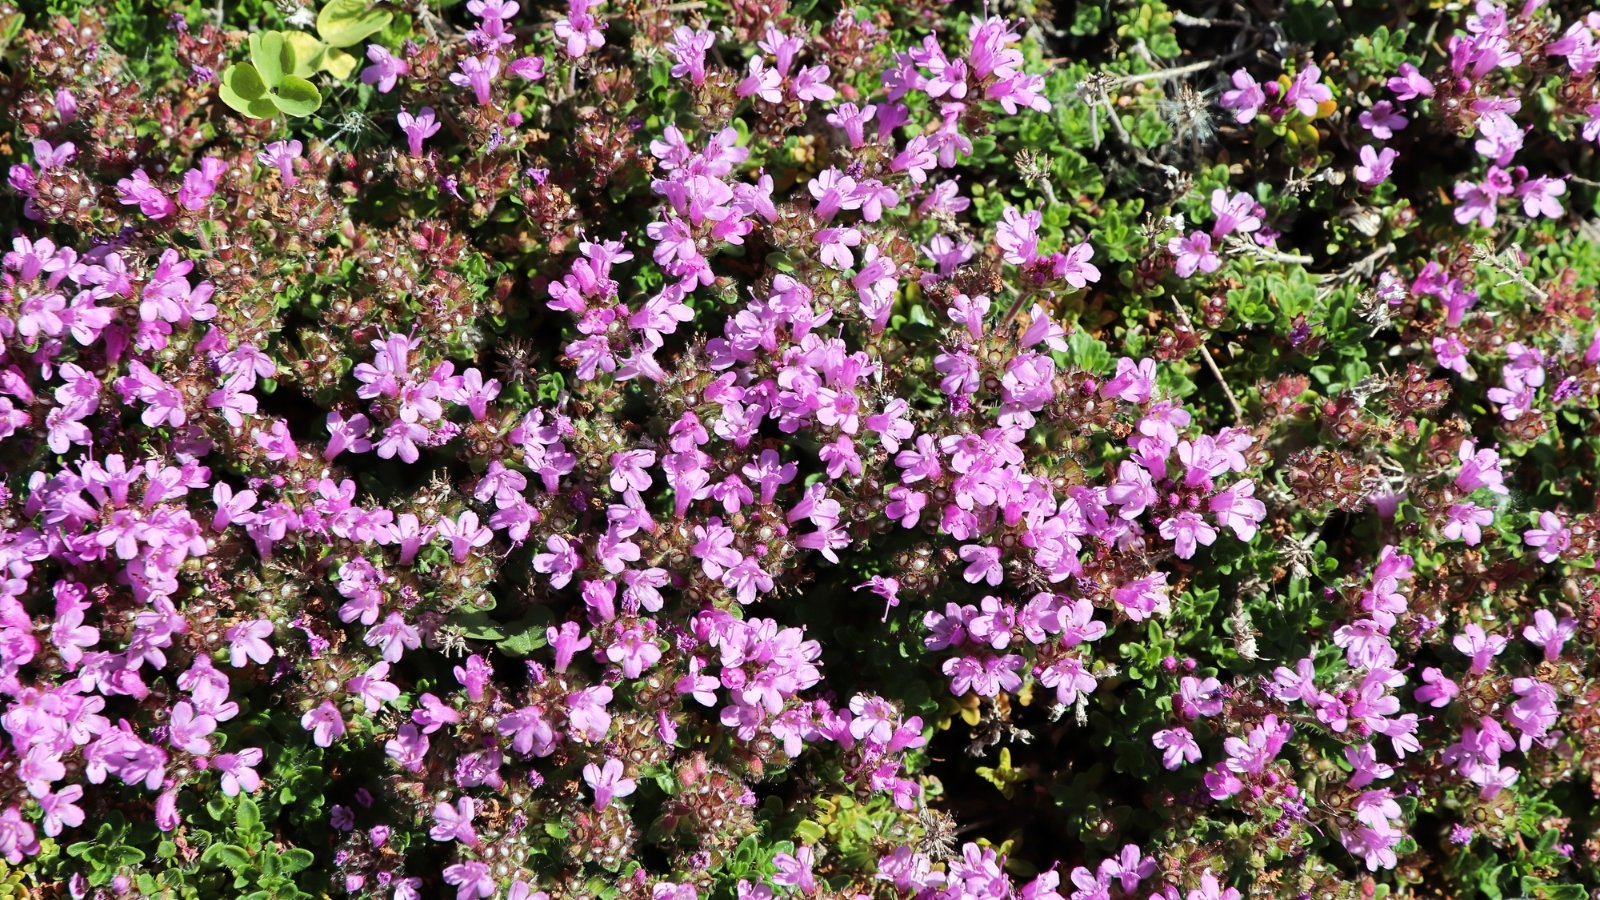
(580, 30)
(1178, 747)
(1245, 99)
(1186, 530)
(1410, 83)
(1375, 166)
(1383, 120)
(137, 190)
(607, 782)
(282, 154)
(385, 68)
(1480, 645)
(418, 128)
(1193, 254)
(477, 73)
(473, 880)
(1539, 196)
(247, 642)
(325, 724)
(1306, 93)
(1549, 634)
(454, 823)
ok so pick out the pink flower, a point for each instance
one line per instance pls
(1074, 267)
(1551, 538)
(1235, 214)
(1306, 93)
(61, 810)
(238, 772)
(1480, 645)
(137, 190)
(473, 880)
(1185, 530)
(607, 782)
(1549, 634)
(1464, 522)
(1245, 99)
(324, 723)
(477, 73)
(385, 70)
(1410, 83)
(1539, 196)
(1018, 235)
(1375, 166)
(282, 154)
(1193, 254)
(1383, 120)
(1237, 508)
(983, 564)
(247, 642)
(418, 128)
(454, 823)
(580, 30)
(464, 534)
(1437, 690)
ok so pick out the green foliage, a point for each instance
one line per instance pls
(268, 84)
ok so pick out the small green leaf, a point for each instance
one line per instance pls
(231, 855)
(245, 93)
(248, 816)
(296, 96)
(476, 625)
(271, 57)
(343, 23)
(308, 53)
(294, 860)
(338, 63)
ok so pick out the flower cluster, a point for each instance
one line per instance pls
(666, 451)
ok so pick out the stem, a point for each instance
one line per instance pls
(1014, 308)
(1227, 392)
(1240, 244)
(1115, 120)
(1165, 74)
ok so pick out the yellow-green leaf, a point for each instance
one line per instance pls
(296, 96)
(343, 23)
(245, 93)
(271, 57)
(309, 53)
(338, 63)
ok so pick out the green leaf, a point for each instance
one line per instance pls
(338, 63)
(296, 96)
(296, 859)
(245, 93)
(248, 816)
(476, 625)
(307, 52)
(343, 23)
(271, 56)
(231, 855)
(527, 634)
